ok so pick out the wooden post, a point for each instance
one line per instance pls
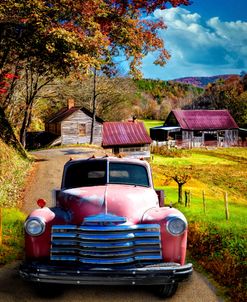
(204, 201)
(186, 193)
(1, 230)
(189, 198)
(226, 205)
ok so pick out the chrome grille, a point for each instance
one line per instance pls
(106, 245)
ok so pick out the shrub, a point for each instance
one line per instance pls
(223, 254)
(168, 152)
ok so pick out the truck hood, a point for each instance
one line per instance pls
(122, 200)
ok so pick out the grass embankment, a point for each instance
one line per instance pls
(217, 244)
(13, 172)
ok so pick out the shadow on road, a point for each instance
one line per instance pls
(74, 151)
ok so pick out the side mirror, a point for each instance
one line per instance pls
(161, 197)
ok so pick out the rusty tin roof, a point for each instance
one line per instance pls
(124, 134)
(205, 119)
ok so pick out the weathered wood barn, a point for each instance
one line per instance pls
(73, 125)
(197, 128)
(128, 138)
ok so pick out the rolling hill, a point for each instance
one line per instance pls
(202, 81)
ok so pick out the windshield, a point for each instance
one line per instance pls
(94, 173)
(121, 173)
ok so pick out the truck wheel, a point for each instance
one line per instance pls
(166, 290)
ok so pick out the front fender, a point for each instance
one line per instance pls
(38, 247)
(173, 247)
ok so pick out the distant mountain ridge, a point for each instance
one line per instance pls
(202, 81)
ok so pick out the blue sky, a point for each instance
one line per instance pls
(206, 38)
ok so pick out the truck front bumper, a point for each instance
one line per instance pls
(162, 273)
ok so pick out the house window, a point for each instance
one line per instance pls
(82, 129)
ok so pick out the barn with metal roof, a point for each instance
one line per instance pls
(129, 138)
(198, 128)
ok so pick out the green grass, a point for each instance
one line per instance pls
(236, 153)
(13, 171)
(191, 159)
(215, 210)
(209, 172)
(213, 175)
(152, 123)
(12, 245)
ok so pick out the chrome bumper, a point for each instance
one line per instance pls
(163, 273)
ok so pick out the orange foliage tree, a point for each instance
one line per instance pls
(81, 33)
(60, 36)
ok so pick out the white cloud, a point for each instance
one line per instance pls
(199, 47)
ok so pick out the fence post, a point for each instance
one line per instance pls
(204, 201)
(189, 198)
(226, 205)
(1, 230)
(186, 195)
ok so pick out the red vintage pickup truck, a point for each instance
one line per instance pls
(108, 226)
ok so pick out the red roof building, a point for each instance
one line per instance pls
(130, 138)
(198, 128)
(203, 119)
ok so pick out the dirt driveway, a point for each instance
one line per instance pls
(47, 176)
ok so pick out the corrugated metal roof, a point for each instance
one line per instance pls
(124, 134)
(65, 112)
(205, 119)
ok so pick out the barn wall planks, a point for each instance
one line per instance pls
(76, 129)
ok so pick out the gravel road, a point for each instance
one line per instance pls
(47, 176)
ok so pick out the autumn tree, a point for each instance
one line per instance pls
(227, 94)
(68, 35)
(82, 34)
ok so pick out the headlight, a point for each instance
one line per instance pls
(176, 225)
(34, 226)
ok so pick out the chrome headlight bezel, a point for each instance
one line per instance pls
(176, 225)
(34, 226)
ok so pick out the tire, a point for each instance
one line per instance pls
(166, 290)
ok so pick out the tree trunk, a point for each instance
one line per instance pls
(94, 107)
(180, 193)
(26, 123)
(23, 130)
(7, 134)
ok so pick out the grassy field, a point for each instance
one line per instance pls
(217, 244)
(214, 175)
(152, 123)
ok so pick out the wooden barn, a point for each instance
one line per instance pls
(73, 125)
(197, 128)
(128, 138)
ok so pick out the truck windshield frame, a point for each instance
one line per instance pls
(102, 172)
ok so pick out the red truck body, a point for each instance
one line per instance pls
(108, 227)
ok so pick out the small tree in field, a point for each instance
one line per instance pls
(181, 176)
